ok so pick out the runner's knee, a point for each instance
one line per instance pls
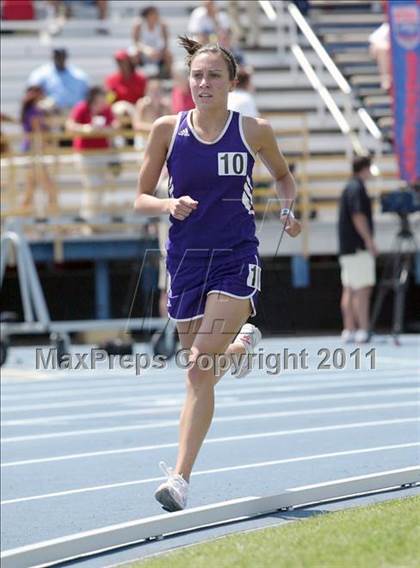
(201, 370)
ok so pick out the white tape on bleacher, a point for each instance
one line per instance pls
(78, 545)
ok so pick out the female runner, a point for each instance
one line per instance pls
(212, 255)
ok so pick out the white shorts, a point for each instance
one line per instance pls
(358, 270)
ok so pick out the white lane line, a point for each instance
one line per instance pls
(239, 417)
(265, 415)
(342, 384)
(335, 378)
(174, 406)
(406, 361)
(332, 427)
(25, 374)
(213, 471)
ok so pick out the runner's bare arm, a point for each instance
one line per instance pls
(260, 135)
(273, 159)
(153, 162)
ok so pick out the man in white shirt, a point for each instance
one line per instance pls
(241, 99)
(207, 23)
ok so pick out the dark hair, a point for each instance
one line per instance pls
(194, 48)
(360, 163)
(60, 52)
(29, 99)
(244, 77)
(148, 10)
(94, 92)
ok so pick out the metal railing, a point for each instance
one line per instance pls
(118, 168)
(350, 116)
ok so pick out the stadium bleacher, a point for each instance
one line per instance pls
(282, 92)
(345, 32)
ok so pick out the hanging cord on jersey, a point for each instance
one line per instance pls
(288, 214)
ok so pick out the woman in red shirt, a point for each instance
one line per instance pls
(92, 116)
(127, 84)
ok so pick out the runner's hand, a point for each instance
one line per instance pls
(292, 225)
(183, 207)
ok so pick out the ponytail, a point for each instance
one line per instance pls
(193, 48)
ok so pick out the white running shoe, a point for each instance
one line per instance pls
(249, 336)
(361, 336)
(172, 494)
(347, 336)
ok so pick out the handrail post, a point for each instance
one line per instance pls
(300, 22)
(292, 36)
(282, 23)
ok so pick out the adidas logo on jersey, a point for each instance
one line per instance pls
(183, 132)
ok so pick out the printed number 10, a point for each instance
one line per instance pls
(231, 163)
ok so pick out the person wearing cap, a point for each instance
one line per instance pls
(126, 84)
(65, 84)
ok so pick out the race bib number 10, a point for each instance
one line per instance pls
(232, 163)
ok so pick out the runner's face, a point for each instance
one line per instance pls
(209, 81)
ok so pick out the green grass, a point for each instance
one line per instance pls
(383, 535)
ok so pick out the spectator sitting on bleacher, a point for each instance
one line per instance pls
(101, 6)
(34, 126)
(102, 11)
(65, 84)
(65, 7)
(208, 24)
(380, 48)
(150, 37)
(92, 116)
(152, 106)
(242, 99)
(226, 41)
(250, 33)
(181, 92)
(126, 84)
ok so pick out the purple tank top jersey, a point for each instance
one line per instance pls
(219, 176)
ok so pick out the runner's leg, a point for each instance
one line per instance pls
(222, 320)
